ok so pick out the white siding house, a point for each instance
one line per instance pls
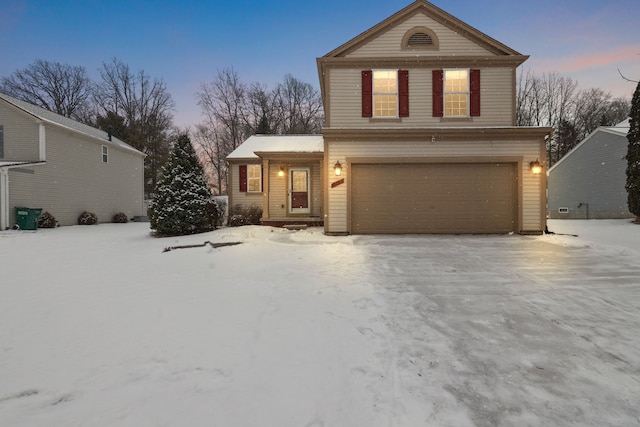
(589, 181)
(64, 167)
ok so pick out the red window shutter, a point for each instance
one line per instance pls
(438, 89)
(403, 93)
(367, 93)
(474, 93)
(243, 178)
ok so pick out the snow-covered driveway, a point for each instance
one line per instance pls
(99, 327)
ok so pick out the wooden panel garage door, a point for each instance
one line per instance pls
(433, 198)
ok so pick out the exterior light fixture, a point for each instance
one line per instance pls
(281, 171)
(337, 168)
(535, 167)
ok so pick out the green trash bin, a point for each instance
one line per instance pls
(28, 218)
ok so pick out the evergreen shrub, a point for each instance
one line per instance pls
(181, 196)
(244, 215)
(120, 218)
(46, 220)
(87, 218)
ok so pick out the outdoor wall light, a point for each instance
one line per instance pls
(337, 168)
(281, 171)
(535, 167)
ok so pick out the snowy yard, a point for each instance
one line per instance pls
(99, 327)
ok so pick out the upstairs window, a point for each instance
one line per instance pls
(1, 141)
(385, 93)
(105, 154)
(456, 93)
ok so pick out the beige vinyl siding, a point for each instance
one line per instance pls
(388, 43)
(21, 135)
(524, 151)
(496, 99)
(75, 179)
(278, 191)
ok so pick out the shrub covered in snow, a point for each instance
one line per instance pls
(46, 220)
(244, 215)
(120, 218)
(179, 204)
(87, 218)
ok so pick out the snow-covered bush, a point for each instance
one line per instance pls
(120, 218)
(244, 215)
(46, 220)
(87, 218)
(179, 204)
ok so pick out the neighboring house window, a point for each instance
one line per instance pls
(385, 93)
(456, 93)
(250, 178)
(1, 141)
(105, 154)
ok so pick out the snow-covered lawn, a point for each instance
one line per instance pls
(99, 327)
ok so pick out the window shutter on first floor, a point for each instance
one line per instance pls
(242, 169)
(437, 90)
(403, 93)
(367, 93)
(474, 93)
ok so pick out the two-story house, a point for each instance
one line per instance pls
(420, 137)
(65, 167)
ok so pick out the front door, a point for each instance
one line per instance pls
(299, 190)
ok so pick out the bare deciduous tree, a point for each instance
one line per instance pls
(300, 107)
(145, 107)
(553, 100)
(61, 88)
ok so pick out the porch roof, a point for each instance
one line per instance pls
(274, 144)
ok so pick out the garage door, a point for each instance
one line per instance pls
(433, 198)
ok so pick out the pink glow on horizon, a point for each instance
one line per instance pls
(591, 60)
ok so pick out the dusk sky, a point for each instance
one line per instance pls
(186, 42)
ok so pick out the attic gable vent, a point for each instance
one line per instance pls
(420, 38)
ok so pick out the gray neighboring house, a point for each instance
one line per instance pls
(588, 182)
(65, 167)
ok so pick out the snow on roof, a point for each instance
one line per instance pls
(57, 119)
(278, 144)
(18, 164)
(622, 127)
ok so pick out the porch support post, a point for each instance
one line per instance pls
(265, 189)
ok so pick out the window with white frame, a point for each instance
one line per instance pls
(254, 178)
(105, 154)
(385, 93)
(456, 93)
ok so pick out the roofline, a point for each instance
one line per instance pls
(605, 129)
(436, 13)
(439, 133)
(22, 164)
(41, 119)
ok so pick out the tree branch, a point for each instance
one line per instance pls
(627, 79)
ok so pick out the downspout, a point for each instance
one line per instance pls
(41, 143)
(4, 199)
